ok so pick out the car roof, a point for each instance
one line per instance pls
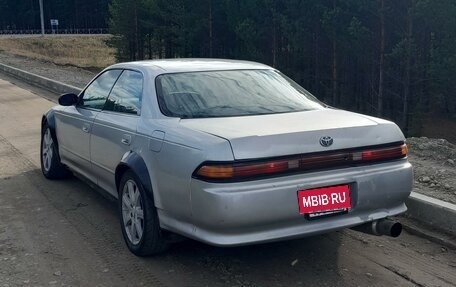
(191, 65)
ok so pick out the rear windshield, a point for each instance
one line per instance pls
(231, 93)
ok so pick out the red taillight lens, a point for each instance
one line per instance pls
(215, 171)
(248, 170)
(241, 170)
(385, 153)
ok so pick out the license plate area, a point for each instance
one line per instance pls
(324, 201)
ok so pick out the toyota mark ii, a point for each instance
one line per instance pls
(225, 152)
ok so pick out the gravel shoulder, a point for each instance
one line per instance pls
(433, 160)
(66, 74)
(434, 166)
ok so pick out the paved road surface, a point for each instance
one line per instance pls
(63, 233)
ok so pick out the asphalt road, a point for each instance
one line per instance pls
(63, 233)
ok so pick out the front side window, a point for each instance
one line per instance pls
(231, 93)
(97, 92)
(125, 97)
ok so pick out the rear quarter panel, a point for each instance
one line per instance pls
(171, 168)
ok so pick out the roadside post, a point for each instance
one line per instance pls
(42, 17)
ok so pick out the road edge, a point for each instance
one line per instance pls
(434, 212)
(43, 82)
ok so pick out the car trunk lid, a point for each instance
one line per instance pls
(274, 135)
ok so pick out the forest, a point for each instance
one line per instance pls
(390, 58)
(72, 14)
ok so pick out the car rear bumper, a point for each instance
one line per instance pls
(230, 214)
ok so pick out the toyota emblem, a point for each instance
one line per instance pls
(326, 141)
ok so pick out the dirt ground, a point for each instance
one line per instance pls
(440, 127)
(66, 74)
(81, 51)
(434, 166)
(63, 233)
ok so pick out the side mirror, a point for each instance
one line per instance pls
(68, 99)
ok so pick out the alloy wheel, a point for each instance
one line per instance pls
(132, 212)
(47, 152)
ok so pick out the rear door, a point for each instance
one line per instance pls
(74, 124)
(114, 128)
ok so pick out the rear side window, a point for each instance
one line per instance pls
(97, 92)
(126, 95)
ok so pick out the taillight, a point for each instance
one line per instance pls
(251, 169)
(385, 153)
(248, 170)
(216, 171)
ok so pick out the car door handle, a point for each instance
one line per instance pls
(126, 139)
(85, 128)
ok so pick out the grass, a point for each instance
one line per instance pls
(89, 52)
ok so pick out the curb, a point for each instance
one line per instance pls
(433, 212)
(43, 82)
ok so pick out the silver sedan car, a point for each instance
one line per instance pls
(226, 152)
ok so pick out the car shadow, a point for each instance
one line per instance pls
(286, 263)
(190, 263)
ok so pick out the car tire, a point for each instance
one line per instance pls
(138, 217)
(51, 167)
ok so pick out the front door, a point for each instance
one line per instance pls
(74, 124)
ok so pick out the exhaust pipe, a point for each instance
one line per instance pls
(380, 227)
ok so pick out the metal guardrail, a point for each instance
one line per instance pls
(55, 31)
